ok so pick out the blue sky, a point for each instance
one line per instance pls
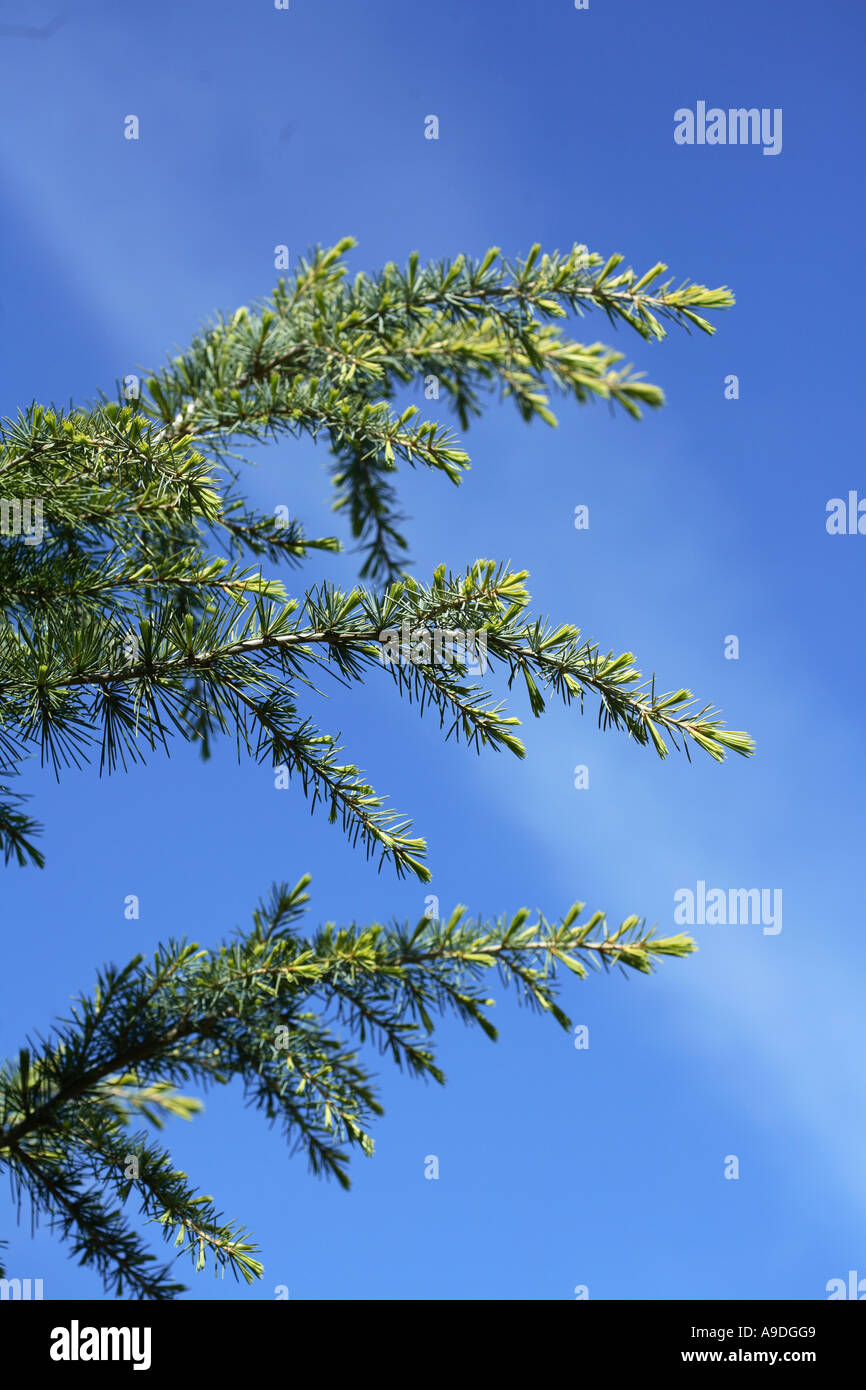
(558, 1167)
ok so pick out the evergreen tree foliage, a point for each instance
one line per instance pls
(144, 599)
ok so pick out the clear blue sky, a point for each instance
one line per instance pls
(558, 1167)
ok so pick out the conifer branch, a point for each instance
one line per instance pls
(260, 1008)
(322, 355)
(120, 629)
(238, 667)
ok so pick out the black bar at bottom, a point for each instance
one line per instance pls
(391, 1341)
